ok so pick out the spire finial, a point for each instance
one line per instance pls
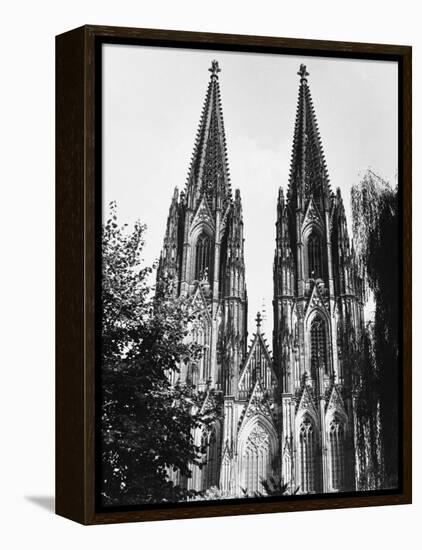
(303, 73)
(258, 320)
(214, 69)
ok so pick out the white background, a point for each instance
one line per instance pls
(27, 272)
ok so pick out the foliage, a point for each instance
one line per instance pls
(271, 487)
(375, 231)
(148, 423)
(367, 397)
(213, 493)
(374, 206)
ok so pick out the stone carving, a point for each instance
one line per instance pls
(336, 402)
(203, 215)
(258, 437)
(312, 215)
(306, 402)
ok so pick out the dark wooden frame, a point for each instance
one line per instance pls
(76, 211)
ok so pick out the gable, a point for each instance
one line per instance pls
(335, 403)
(200, 304)
(312, 215)
(257, 405)
(306, 403)
(258, 366)
(202, 215)
(316, 301)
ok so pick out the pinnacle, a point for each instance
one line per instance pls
(308, 168)
(214, 69)
(208, 169)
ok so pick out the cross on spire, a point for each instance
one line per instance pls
(214, 69)
(303, 73)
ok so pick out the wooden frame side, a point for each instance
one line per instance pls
(70, 296)
(76, 268)
(406, 169)
(75, 275)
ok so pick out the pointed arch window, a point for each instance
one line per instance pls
(256, 459)
(226, 474)
(308, 456)
(287, 467)
(336, 436)
(199, 336)
(315, 263)
(192, 374)
(211, 470)
(203, 257)
(318, 346)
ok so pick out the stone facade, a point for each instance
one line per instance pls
(287, 414)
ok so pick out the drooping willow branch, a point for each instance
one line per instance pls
(375, 233)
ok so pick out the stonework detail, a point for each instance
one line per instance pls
(312, 215)
(313, 253)
(285, 413)
(258, 437)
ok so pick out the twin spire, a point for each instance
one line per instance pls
(209, 171)
(308, 169)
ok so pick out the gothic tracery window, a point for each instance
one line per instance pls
(307, 456)
(203, 257)
(318, 346)
(256, 459)
(336, 435)
(315, 263)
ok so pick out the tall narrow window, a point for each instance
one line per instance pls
(256, 460)
(203, 258)
(287, 467)
(199, 337)
(211, 471)
(336, 433)
(226, 474)
(308, 456)
(318, 347)
(315, 264)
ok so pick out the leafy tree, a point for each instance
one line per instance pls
(367, 400)
(375, 231)
(148, 422)
(274, 486)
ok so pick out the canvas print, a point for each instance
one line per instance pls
(250, 288)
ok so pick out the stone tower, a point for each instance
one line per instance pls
(203, 253)
(289, 414)
(318, 312)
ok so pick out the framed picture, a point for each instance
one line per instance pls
(233, 290)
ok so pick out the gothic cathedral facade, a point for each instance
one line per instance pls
(286, 414)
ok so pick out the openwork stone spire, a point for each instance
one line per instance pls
(308, 170)
(209, 172)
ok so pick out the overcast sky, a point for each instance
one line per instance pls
(152, 101)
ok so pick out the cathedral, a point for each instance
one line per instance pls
(288, 412)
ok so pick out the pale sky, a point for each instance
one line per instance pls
(152, 101)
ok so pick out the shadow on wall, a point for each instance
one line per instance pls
(46, 502)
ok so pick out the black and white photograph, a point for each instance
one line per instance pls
(250, 276)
